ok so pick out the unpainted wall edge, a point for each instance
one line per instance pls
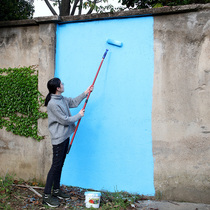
(117, 15)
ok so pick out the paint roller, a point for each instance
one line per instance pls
(115, 42)
(111, 42)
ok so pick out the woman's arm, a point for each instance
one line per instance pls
(56, 114)
(74, 102)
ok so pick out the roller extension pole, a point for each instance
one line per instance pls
(69, 147)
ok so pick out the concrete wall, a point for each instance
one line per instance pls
(181, 101)
(24, 46)
(180, 113)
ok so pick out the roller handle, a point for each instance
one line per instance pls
(105, 54)
(69, 147)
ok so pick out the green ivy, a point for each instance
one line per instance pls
(20, 101)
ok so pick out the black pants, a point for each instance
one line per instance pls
(54, 175)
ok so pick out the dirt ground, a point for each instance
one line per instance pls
(24, 196)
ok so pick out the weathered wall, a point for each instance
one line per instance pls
(181, 101)
(26, 46)
(181, 98)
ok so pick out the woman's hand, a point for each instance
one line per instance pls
(90, 89)
(82, 112)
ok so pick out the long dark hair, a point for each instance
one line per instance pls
(52, 86)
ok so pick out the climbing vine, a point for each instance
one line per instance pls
(20, 101)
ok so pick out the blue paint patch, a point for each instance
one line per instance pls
(112, 149)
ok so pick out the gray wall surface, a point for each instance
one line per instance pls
(26, 46)
(181, 102)
(181, 98)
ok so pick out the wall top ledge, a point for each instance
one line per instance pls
(116, 15)
(31, 22)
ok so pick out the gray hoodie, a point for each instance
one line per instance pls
(60, 122)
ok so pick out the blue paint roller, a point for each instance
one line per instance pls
(115, 42)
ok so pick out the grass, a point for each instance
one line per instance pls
(119, 200)
(12, 196)
(5, 191)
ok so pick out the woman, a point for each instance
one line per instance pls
(61, 126)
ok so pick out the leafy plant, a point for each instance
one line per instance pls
(20, 101)
(5, 191)
(74, 7)
(15, 10)
(158, 195)
(118, 200)
(139, 4)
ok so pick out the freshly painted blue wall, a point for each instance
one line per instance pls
(112, 149)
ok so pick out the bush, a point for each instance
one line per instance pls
(139, 4)
(15, 10)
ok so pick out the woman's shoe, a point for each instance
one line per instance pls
(50, 200)
(60, 194)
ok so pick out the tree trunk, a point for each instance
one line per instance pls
(92, 7)
(65, 8)
(50, 7)
(74, 7)
(80, 7)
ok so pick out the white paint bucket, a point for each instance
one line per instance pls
(92, 199)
